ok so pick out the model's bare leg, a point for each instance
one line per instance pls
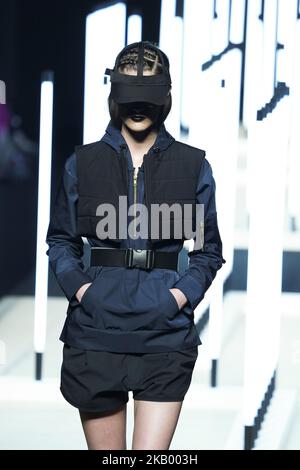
(105, 431)
(154, 424)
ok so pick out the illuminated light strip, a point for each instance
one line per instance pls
(269, 49)
(286, 37)
(253, 98)
(222, 111)
(103, 43)
(197, 26)
(44, 191)
(293, 195)
(171, 27)
(226, 176)
(220, 27)
(236, 22)
(265, 255)
(2, 92)
(254, 62)
(134, 28)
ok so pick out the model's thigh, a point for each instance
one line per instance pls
(105, 431)
(92, 381)
(163, 383)
(154, 424)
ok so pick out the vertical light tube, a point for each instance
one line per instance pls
(197, 31)
(2, 92)
(102, 45)
(236, 22)
(222, 114)
(268, 142)
(134, 29)
(254, 62)
(254, 99)
(171, 27)
(220, 27)
(289, 71)
(269, 48)
(44, 191)
(287, 14)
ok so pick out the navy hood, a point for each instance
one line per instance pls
(115, 139)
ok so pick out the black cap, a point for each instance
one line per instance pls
(133, 88)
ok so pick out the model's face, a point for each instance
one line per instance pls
(139, 116)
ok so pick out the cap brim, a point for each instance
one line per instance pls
(140, 93)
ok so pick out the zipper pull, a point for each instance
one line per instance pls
(123, 148)
(123, 162)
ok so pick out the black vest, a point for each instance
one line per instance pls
(171, 176)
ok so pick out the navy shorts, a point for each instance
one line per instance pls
(99, 381)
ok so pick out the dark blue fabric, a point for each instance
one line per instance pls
(66, 248)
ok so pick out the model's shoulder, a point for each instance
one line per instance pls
(70, 164)
(190, 148)
(86, 147)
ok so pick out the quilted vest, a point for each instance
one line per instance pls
(170, 176)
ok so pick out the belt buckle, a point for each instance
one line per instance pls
(139, 258)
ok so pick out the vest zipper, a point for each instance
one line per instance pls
(135, 177)
(146, 182)
(124, 166)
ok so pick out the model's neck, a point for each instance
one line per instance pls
(139, 142)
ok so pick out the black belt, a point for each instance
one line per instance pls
(130, 258)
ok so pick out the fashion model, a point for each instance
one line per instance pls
(130, 318)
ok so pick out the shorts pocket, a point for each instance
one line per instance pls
(73, 375)
(74, 359)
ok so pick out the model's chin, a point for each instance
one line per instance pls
(138, 126)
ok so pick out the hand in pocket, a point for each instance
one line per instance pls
(81, 291)
(179, 297)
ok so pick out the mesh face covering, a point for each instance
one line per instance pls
(147, 88)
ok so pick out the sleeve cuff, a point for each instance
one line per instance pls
(190, 288)
(71, 281)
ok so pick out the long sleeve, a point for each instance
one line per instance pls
(65, 247)
(203, 263)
